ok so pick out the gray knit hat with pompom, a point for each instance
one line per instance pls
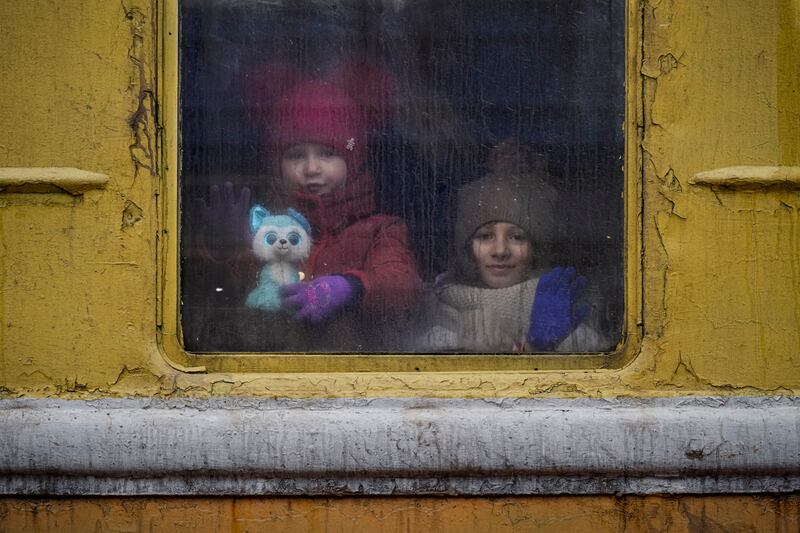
(525, 200)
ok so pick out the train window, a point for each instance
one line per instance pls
(401, 176)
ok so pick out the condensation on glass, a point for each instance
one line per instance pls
(430, 102)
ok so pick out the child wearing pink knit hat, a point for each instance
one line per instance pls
(360, 261)
(360, 281)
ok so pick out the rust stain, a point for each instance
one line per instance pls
(577, 514)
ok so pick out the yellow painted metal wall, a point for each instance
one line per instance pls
(720, 270)
(720, 278)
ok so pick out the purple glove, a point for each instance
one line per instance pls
(317, 300)
(556, 312)
(225, 222)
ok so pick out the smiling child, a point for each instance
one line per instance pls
(492, 299)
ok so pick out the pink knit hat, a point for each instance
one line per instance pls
(317, 111)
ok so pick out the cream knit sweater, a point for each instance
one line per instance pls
(492, 320)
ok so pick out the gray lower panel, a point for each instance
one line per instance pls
(488, 486)
(237, 446)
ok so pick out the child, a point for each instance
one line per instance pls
(491, 300)
(361, 268)
(360, 280)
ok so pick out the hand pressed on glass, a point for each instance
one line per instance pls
(318, 300)
(224, 219)
(556, 310)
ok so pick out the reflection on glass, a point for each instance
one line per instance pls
(397, 176)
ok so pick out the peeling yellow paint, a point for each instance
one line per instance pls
(79, 305)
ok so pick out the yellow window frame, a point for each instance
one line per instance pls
(168, 301)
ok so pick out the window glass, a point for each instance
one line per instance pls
(401, 176)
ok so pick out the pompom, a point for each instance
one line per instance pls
(373, 88)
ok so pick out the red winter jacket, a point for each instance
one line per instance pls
(350, 240)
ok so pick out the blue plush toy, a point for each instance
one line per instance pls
(282, 242)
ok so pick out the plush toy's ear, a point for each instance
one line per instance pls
(300, 219)
(257, 215)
